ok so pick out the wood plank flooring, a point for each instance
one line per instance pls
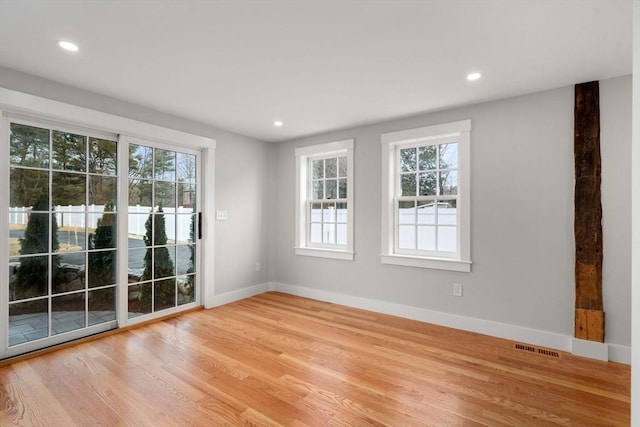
(276, 359)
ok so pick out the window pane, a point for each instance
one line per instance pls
(341, 237)
(139, 300)
(68, 188)
(341, 212)
(447, 212)
(69, 151)
(67, 313)
(408, 184)
(35, 239)
(159, 222)
(407, 212)
(185, 228)
(316, 212)
(102, 307)
(331, 168)
(408, 159)
(186, 168)
(315, 233)
(164, 262)
(29, 188)
(29, 146)
(165, 193)
(427, 183)
(102, 192)
(71, 237)
(449, 156)
(165, 229)
(448, 183)
(342, 167)
(103, 155)
(427, 238)
(332, 191)
(318, 169)
(186, 197)
(447, 239)
(137, 263)
(186, 259)
(102, 268)
(186, 286)
(68, 272)
(140, 192)
(103, 230)
(342, 189)
(428, 157)
(140, 161)
(28, 321)
(137, 230)
(328, 212)
(427, 212)
(329, 234)
(28, 277)
(407, 237)
(164, 294)
(70, 221)
(164, 164)
(318, 190)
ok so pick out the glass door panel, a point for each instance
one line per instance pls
(62, 234)
(162, 224)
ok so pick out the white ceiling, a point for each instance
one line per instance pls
(316, 65)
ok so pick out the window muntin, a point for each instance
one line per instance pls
(324, 200)
(426, 194)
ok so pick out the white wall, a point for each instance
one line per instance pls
(240, 175)
(522, 217)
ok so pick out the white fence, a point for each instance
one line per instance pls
(81, 216)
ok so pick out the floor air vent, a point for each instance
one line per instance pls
(535, 350)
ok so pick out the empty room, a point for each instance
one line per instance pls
(313, 213)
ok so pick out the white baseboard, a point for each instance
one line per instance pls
(616, 353)
(590, 349)
(239, 294)
(620, 353)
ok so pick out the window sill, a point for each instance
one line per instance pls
(422, 262)
(325, 253)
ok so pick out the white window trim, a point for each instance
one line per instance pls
(460, 129)
(302, 155)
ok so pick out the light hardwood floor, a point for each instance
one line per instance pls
(276, 359)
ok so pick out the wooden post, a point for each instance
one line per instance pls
(589, 323)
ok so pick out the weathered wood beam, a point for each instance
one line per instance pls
(589, 323)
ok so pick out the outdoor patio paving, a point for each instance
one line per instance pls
(28, 327)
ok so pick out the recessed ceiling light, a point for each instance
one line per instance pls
(473, 76)
(68, 45)
(278, 123)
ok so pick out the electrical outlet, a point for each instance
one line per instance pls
(257, 266)
(457, 290)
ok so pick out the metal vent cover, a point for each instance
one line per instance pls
(536, 350)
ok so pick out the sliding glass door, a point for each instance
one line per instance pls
(102, 231)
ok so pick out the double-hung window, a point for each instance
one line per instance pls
(426, 215)
(324, 200)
